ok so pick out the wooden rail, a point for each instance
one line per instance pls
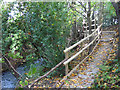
(71, 47)
(74, 56)
(79, 64)
(62, 81)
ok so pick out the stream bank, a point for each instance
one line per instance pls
(9, 80)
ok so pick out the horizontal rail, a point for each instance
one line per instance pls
(109, 31)
(71, 47)
(79, 64)
(92, 19)
(94, 24)
(95, 19)
(74, 56)
(88, 30)
(91, 25)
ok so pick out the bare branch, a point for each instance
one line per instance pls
(77, 11)
(18, 74)
(83, 6)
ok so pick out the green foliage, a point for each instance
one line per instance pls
(37, 29)
(109, 9)
(109, 14)
(23, 83)
(2, 60)
(32, 71)
(15, 56)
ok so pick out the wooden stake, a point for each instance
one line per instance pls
(66, 66)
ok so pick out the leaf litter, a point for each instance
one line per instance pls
(85, 74)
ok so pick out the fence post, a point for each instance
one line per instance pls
(98, 34)
(82, 54)
(66, 66)
(95, 27)
(95, 24)
(101, 28)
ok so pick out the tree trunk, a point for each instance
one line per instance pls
(119, 32)
(89, 24)
(117, 8)
(74, 30)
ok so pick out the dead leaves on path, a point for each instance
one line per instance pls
(85, 65)
(79, 80)
(108, 76)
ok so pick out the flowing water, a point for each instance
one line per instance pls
(9, 80)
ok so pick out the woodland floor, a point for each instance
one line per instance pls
(84, 76)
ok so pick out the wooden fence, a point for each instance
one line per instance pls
(96, 33)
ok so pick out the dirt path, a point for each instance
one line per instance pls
(84, 75)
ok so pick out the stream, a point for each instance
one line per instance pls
(9, 80)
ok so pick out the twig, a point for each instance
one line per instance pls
(9, 63)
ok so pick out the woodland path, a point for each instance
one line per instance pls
(84, 76)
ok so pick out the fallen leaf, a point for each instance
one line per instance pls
(81, 82)
(72, 74)
(114, 70)
(98, 63)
